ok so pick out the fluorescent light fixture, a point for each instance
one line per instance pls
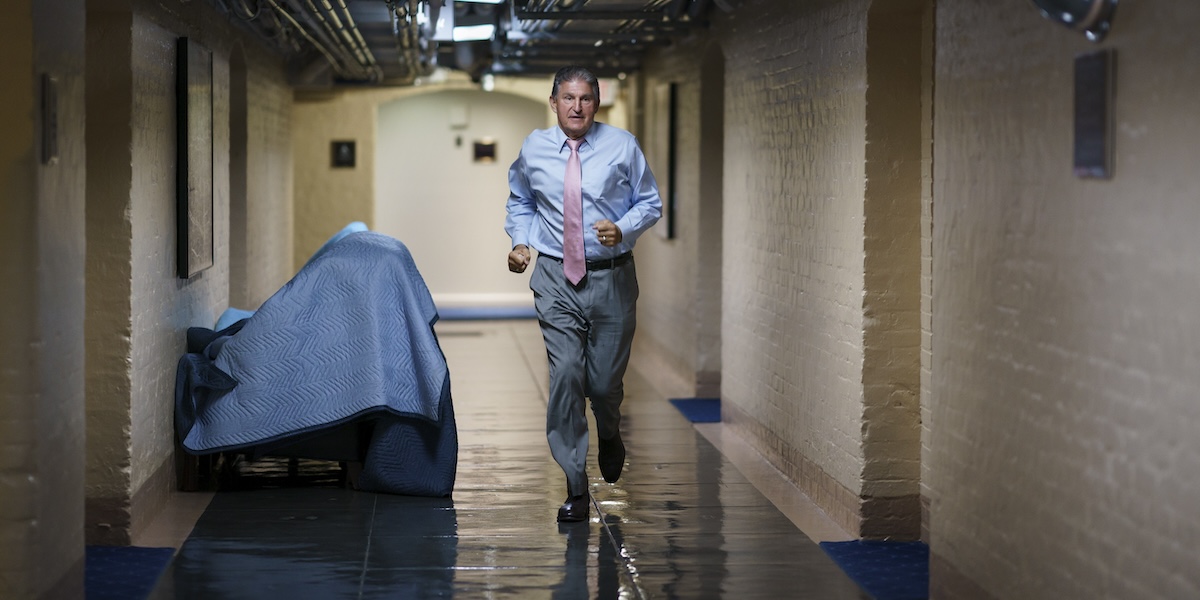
(472, 33)
(440, 21)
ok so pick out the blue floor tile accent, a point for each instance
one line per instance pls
(886, 570)
(699, 410)
(123, 572)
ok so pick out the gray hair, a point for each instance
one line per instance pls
(576, 73)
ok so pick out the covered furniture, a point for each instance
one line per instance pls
(341, 363)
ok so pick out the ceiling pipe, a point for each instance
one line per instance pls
(333, 40)
(337, 68)
(359, 41)
(414, 50)
(591, 15)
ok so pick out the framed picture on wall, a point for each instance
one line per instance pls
(661, 153)
(194, 158)
(342, 154)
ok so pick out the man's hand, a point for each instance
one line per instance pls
(518, 259)
(607, 232)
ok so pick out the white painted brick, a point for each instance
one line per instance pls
(1062, 458)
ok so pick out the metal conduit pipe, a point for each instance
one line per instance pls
(342, 34)
(356, 66)
(407, 32)
(362, 43)
(315, 43)
(370, 62)
(332, 38)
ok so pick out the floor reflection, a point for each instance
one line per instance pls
(574, 582)
(681, 523)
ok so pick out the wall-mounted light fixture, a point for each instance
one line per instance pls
(1092, 17)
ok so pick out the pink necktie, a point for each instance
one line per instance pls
(573, 261)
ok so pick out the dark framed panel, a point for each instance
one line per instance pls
(485, 151)
(1093, 114)
(194, 158)
(343, 154)
(662, 159)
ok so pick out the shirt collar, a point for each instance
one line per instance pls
(587, 137)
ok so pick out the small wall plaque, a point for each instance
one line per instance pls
(485, 150)
(342, 154)
(1093, 114)
(49, 119)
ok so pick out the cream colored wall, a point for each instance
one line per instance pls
(163, 306)
(138, 309)
(669, 269)
(109, 274)
(269, 211)
(818, 232)
(326, 198)
(329, 198)
(423, 169)
(1065, 461)
(41, 334)
(891, 432)
(793, 322)
(927, 81)
(447, 209)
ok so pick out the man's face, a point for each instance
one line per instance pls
(575, 106)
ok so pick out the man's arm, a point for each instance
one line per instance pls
(646, 205)
(521, 208)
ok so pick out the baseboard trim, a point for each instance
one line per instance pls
(946, 582)
(150, 499)
(841, 504)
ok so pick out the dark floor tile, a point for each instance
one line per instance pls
(198, 554)
(413, 552)
(743, 582)
(237, 577)
(746, 520)
(293, 498)
(655, 496)
(682, 522)
(286, 523)
(716, 548)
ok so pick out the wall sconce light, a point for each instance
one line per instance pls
(1092, 17)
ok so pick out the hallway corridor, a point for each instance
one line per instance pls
(688, 518)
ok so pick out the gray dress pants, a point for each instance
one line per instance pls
(588, 331)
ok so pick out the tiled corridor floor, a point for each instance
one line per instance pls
(684, 521)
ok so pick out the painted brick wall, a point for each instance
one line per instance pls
(927, 54)
(792, 323)
(269, 214)
(1065, 461)
(667, 268)
(42, 250)
(162, 305)
(108, 322)
(328, 198)
(139, 310)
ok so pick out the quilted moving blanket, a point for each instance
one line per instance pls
(349, 337)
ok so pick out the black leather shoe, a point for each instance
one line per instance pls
(576, 508)
(612, 458)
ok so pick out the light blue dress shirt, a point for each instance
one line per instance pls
(617, 185)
